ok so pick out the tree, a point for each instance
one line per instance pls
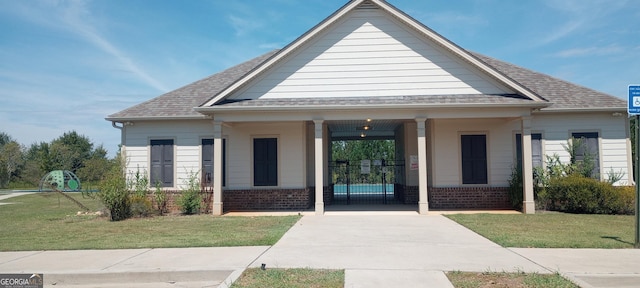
(11, 159)
(70, 151)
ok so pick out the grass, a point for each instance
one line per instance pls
(46, 221)
(552, 230)
(290, 278)
(512, 280)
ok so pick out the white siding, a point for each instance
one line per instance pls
(445, 138)
(291, 153)
(369, 54)
(557, 130)
(186, 137)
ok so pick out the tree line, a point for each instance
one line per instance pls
(24, 167)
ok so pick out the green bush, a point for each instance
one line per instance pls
(140, 206)
(578, 194)
(115, 195)
(190, 200)
(515, 188)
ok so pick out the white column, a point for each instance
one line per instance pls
(217, 168)
(319, 167)
(423, 196)
(528, 203)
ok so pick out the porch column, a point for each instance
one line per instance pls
(217, 168)
(423, 197)
(319, 167)
(528, 204)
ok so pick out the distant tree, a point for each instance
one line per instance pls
(11, 159)
(96, 167)
(70, 151)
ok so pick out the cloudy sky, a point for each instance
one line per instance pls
(66, 65)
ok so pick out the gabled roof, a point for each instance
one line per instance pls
(395, 12)
(535, 90)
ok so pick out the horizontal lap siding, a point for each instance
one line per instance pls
(187, 137)
(446, 140)
(372, 56)
(557, 129)
(291, 153)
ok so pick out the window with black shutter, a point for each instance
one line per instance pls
(536, 149)
(161, 163)
(207, 161)
(474, 159)
(589, 148)
(265, 162)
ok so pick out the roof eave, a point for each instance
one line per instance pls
(582, 110)
(213, 109)
(156, 118)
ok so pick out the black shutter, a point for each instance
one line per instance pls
(474, 159)
(265, 162)
(162, 162)
(536, 149)
(590, 140)
(207, 161)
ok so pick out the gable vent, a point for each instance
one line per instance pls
(367, 5)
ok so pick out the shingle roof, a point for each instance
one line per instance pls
(421, 101)
(563, 94)
(180, 103)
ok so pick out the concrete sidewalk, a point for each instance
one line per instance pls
(375, 251)
(190, 267)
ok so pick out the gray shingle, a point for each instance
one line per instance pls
(180, 102)
(427, 100)
(563, 94)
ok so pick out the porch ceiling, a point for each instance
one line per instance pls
(356, 129)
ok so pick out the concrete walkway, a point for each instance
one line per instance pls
(388, 250)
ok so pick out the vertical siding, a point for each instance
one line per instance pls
(369, 54)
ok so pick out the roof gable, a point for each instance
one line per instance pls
(348, 10)
(368, 54)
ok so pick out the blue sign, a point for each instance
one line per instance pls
(634, 100)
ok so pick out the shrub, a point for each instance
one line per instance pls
(190, 200)
(140, 206)
(161, 199)
(114, 193)
(578, 194)
(515, 188)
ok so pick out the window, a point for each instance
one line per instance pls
(265, 162)
(162, 162)
(474, 159)
(536, 149)
(588, 148)
(207, 162)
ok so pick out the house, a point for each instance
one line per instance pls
(261, 132)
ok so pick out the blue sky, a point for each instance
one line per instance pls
(66, 65)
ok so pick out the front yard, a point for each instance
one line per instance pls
(552, 230)
(46, 221)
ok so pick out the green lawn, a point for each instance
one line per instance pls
(290, 278)
(46, 221)
(534, 280)
(552, 230)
